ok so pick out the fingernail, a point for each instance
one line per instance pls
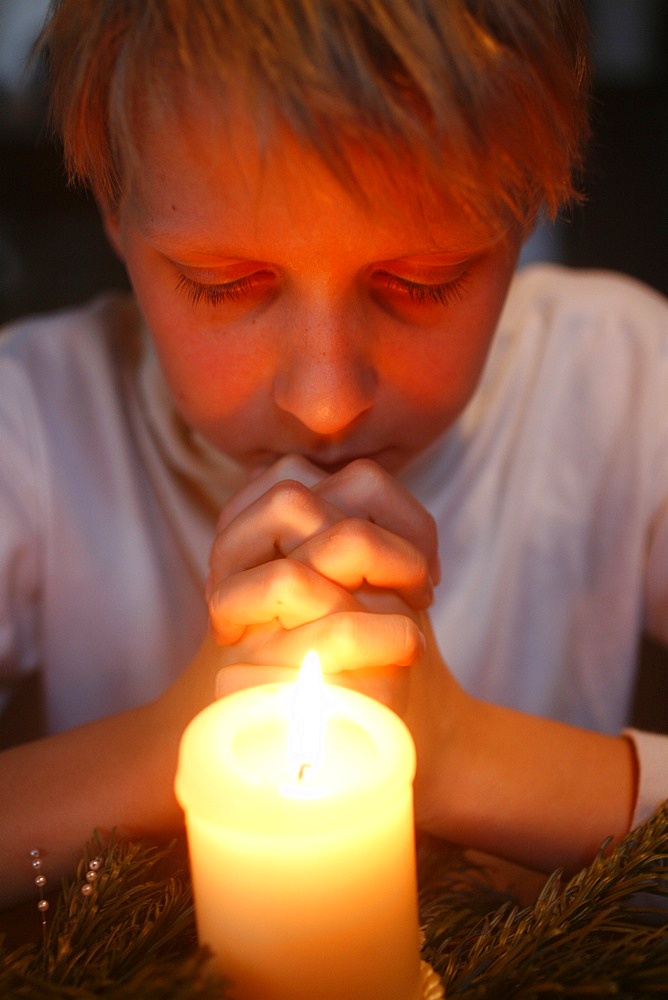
(422, 644)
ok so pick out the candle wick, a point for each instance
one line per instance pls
(302, 770)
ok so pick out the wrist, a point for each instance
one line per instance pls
(531, 790)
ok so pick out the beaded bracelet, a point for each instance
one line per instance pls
(94, 866)
(40, 882)
(91, 876)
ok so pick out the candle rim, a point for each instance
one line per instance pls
(199, 786)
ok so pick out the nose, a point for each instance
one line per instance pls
(326, 378)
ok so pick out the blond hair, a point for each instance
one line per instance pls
(486, 99)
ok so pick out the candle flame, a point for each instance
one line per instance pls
(307, 723)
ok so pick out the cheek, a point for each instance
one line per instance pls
(439, 373)
(209, 381)
(452, 359)
(208, 367)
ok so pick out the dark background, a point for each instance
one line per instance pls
(53, 252)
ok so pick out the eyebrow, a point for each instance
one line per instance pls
(172, 239)
(176, 239)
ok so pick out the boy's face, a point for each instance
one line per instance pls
(291, 318)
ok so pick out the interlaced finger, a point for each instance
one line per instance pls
(354, 552)
(289, 467)
(363, 489)
(345, 641)
(285, 591)
(275, 524)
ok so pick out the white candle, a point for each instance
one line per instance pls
(305, 886)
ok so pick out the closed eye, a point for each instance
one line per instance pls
(228, 291)
(439, 293)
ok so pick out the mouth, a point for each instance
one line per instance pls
(335, 463)
(330, 462)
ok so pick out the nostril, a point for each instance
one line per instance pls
(327, 399)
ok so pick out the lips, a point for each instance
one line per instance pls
(334, 463)
(331, 462)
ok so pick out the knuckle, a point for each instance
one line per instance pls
(349, 543)
(354, 529)
(366, 471)
(289, 493)
(284, 578)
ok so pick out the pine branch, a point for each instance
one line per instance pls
(584, 938)
(133, 937)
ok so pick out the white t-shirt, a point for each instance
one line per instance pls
(550, 493)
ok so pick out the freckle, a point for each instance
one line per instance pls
(173, 208)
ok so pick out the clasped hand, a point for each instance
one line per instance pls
(344, 564)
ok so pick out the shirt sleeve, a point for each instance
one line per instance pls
(656, 569)
(651, 750)
(20, 534)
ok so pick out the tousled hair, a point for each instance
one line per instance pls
(485, 99)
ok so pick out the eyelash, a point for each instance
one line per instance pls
(215, 295)
(231, 291)
(442, 294)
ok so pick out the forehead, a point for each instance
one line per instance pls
(206, 168)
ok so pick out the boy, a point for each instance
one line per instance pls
(324, 387)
